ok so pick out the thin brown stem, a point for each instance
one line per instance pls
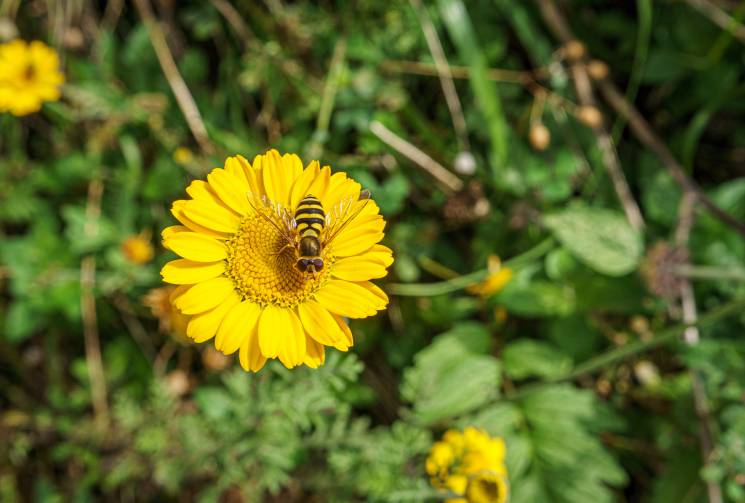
(719, 17)
(586, 97)
(448, 180)
(644, 133)
(93, 358)
(686, 215)
(443, 72)
(180, 90)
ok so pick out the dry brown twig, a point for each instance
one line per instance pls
(719, 17)
(443, 72)
(93, 359)
(180, 90)
(644, 133)
(447, 180)
(686, 215)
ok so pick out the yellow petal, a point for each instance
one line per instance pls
(315, 355)
(203, 327)
(231, 190)
(340, 188)
(377, 291)
(356, 243)
(281, 335)
(236, 168)
(349, 299)
(171, 230)
(380, 253)
(212, 216)
(301, 187)
(238, 325)
(204, 296)
(359, 268)
(187, 272)
(177, 210)
(177, 292)
(250, 355)
(319, 324)
(253, 174)
(320, 184)
(348, 338)
(278, 177)
(195, 246)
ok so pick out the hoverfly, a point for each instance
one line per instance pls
(310, 229)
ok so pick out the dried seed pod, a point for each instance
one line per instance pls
(659, 270)
(575, 50)
(589, 116)
(539, 136)
(467, 205)
(598, 70)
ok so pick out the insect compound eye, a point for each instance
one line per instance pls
(303, 264)
(317, 263)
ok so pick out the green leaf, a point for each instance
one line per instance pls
(449, 379)
(530, 358)
(600, 238)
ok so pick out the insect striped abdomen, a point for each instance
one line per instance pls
(310, 217)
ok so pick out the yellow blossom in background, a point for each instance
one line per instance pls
(138, 249)
(170, 320)
(29, 75)
(497, 278)
(240, 276)
(470, 464)
(182, 156)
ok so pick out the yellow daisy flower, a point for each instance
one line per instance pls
(29, 75)
(497, 278)
(470, 464)
(137, 249)
(241, 273)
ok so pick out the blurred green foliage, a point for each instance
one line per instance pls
(310, 78)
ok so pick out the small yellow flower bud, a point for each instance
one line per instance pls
(182, 156)
(137, 249)
(539, 136)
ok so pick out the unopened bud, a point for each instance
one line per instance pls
(539, 136)
(598, 70)
(575, 50)
(590, 116)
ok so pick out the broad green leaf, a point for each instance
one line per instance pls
(530, 358)
(600, 238)
(449, 379)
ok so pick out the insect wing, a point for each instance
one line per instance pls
(276, 214)
(343, 213)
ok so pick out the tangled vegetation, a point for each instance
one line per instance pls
(563, 188)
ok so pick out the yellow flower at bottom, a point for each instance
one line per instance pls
(469, 464)
(239, 275)
(29, 75)
(137, 249)
(487, 488)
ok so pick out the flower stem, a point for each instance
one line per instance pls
(461, 282)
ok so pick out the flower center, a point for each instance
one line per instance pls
(262, 267)
(29, 73)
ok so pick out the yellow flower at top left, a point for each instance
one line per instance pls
(29, 75)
